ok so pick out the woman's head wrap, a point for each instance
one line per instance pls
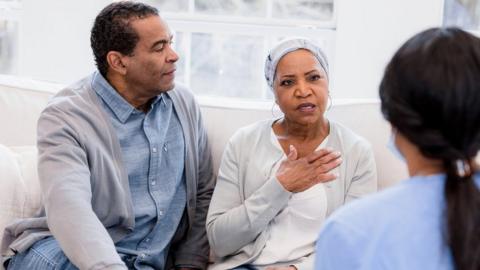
(290, 45)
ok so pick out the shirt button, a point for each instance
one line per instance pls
(160, 213)
(154, 149)
(142, 256)
(154, 183)
(147, 240)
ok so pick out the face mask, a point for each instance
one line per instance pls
(393, 148)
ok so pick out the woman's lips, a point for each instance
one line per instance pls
(306, 107)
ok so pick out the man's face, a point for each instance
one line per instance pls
(151, 67)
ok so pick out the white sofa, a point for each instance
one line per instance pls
(21, 101)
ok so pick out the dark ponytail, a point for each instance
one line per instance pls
(462, 218)
(431, 94)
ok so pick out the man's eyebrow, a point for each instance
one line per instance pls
(162, 41)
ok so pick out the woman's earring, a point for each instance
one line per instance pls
(273, 111)
(330, 102)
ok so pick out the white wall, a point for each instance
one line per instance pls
(368, 33)
(55, 46)
(55, 39)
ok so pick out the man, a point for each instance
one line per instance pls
(124, 163)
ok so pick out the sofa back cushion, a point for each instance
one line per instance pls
(19, 186)
(21, 101)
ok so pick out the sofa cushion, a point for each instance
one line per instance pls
(21, 101)
(19, 184)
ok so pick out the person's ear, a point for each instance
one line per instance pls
(116, 62)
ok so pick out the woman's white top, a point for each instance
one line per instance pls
(292, 233)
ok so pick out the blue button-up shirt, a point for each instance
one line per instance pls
(153, 151)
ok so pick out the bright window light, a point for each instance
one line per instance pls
(223, 43)
(462, 13)
(9, 36)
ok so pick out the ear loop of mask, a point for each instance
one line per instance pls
(393, 147)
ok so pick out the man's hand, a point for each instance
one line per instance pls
(299, 174)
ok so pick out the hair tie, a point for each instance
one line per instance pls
(463, 168)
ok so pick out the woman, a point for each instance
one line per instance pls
(430, 94)
(267, 208)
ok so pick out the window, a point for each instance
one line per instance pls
(462, 13)
(8, 35)
(223, 43)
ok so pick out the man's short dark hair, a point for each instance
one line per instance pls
(112, 30)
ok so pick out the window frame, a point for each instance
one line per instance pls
(475, 32)
(10, 11)
(190, 22)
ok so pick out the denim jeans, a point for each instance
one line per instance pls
(45, 254)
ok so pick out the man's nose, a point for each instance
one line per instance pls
(172, 55)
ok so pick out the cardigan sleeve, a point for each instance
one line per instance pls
(233, 222)
(364, 180)
(66, 189)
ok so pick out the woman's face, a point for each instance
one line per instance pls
(301, 87)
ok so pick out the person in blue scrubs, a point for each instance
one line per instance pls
(430, 94)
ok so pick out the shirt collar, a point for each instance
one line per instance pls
(119, 106)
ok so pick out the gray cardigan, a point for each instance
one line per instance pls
(85, 185)
(247, 198)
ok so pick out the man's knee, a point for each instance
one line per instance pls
(45, 254)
